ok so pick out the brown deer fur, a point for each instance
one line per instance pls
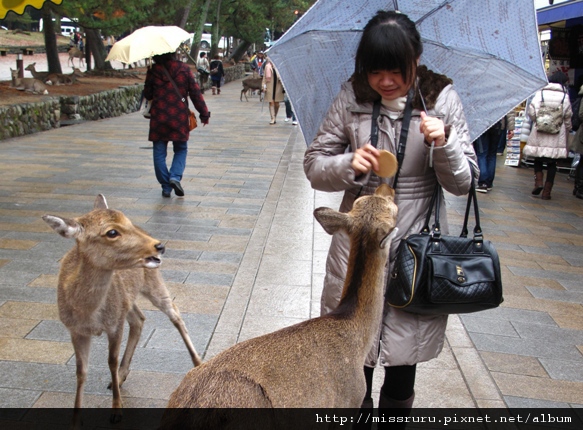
(30, 85)
(314, 364)
(251, 84)
(75, 52)
(41, 76)
(99, 280)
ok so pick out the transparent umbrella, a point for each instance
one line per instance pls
(490, 49)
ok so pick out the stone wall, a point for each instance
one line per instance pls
(28, 118)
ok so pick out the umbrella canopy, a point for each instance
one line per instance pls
(490, 49)
(18, 6)
(147, 42)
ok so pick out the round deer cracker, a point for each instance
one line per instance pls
(387, 164)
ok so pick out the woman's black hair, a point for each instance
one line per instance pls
(163, 58)
(390, 41)
(202, 54)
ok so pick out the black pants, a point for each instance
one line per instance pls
(399, 381)
(551, 167)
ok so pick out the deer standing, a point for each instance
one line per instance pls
(314, 364)
(251, 84)
(99, 280)
(30, 85)
(75, 52)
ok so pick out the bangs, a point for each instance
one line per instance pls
(386, 48)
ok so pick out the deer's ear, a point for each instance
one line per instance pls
(332, 220)
(385, 191)
(100, 202)
(68, 228)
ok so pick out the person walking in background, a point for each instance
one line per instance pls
(203, 68)
(217, 73)
(547, 147)
(486, 147)
(258, 63)
(289, 112)
(577, 144)
(341, 158)
(169, 119)
(273, 90)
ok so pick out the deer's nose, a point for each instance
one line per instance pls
(160, 248)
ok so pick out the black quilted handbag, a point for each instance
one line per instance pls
(437, 274)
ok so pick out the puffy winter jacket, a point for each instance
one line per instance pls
(541, 144)
(403, 338)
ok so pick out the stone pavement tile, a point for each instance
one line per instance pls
(528, 347)
(476, 324)
(565, 315)
(562, 296)
(50, 330)
(35, 351)
(17, 244)
(17, 398)
(521, 402)
(37, 311)
(295, 272)
(198, 299)
(16, 327)
(11, 277)
(573, 286)
(563, 369)
(152, 385)
(146, 359)
(52, 399)
(514, 256)
(27, 294)
(539, 388)
(280, 300)
(549, 333)
(513, 364)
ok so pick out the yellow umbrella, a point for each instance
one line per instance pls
(17, 6)
(147, 42)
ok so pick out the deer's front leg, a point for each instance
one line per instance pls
(113, 359)
(81, 345)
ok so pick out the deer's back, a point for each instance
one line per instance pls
(311, 364)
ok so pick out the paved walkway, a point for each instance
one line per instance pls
(245, 257)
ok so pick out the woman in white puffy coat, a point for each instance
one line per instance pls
(341, 158)
(547, 147)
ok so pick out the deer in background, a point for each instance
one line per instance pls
(314, 364)
(100, 278)
(30, 85)
(251, 84)
(41, 76)
(75, 52)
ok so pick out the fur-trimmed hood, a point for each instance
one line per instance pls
(430, 85)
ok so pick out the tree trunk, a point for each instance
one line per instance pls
(51, 42)
(95, 47)
(216, 35)
(200, 27)
(182, 15)
(240, 51)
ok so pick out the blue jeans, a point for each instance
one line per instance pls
(486, 146)
(178, 163)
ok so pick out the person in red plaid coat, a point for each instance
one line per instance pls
(169, 117)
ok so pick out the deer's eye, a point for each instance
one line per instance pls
(112, 233)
